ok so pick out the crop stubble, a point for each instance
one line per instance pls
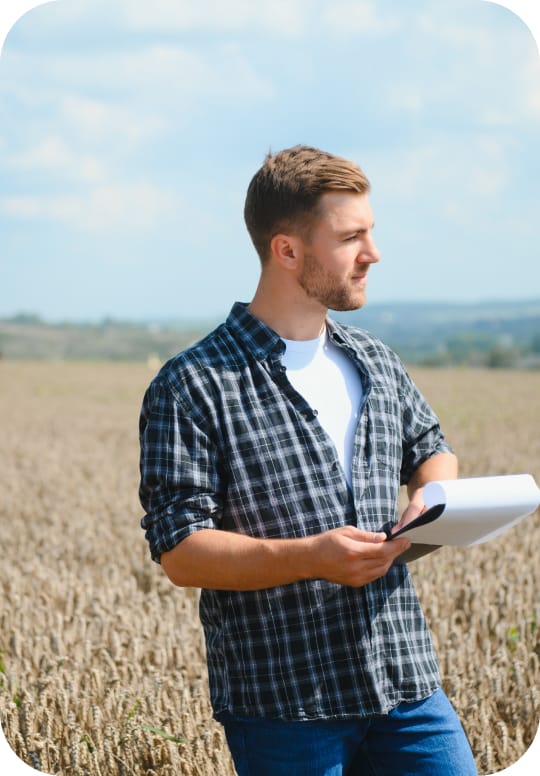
(96, 646)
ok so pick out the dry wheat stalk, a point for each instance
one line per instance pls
(95, 642)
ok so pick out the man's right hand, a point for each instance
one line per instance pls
(350, 556)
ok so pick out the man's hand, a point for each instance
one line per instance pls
(349, 556)
(443, 466)
(415, 507)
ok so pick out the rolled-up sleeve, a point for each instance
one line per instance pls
(181, 486)
(422, 435)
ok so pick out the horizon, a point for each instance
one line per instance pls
(179, 320)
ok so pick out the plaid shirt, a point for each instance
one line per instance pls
(228, 444)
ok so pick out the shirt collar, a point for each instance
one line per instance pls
(339, 334)
(263, 341)
(255, 335)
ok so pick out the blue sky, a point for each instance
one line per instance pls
(129, 132)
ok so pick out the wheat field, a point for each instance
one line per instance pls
(102, 660)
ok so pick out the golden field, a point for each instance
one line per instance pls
(102, 659)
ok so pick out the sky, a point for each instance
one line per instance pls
(129, 132)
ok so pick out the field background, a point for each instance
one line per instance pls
(102, 659)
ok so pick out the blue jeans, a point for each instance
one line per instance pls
(415, 739)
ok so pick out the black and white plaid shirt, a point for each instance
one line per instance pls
(228, 444)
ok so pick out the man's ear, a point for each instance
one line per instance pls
(286, 249)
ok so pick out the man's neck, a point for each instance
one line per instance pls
(291, 315)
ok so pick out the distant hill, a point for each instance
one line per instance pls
(25, 337)
(498, 334)
(487, 333)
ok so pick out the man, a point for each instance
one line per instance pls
(271, 455)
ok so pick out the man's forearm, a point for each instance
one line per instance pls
(443, 466)
(223, 560)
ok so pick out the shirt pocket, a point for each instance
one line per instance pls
(387, 430)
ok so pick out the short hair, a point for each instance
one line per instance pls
(284, 193)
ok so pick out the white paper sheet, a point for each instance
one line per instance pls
(477, 509)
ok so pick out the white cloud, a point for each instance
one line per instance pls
(405, 97)
(104, 208)
(178, 72)
(488, 74)
(99, 120)
(531, 86)
(360, 17)
(446, 170)
(167, 72)
(52, 155)
(285, 18)
(143, 95)
(20, 207)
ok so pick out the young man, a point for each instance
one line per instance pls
(271, 455)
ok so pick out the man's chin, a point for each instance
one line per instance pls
(347, 306)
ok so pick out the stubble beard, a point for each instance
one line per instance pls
(320, 284)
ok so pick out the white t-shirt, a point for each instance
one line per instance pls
(329, 381)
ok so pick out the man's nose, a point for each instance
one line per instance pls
(370, 252)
